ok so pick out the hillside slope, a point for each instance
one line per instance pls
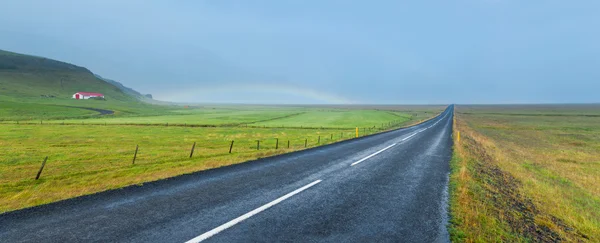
(34, 87)
(24, 77)
(126, 89)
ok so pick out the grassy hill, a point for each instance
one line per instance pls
(24, 77)
(34, 87)
(126, 90)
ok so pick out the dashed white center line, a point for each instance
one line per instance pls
(412, 135)
(239, 219)
(376, 153)
(404, 139)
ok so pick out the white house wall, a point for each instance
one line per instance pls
(85, 97)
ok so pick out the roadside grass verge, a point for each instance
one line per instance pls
(522, 178)
(87, 159)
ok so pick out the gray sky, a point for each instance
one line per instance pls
(318, 51)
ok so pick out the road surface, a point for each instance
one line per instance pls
(101, 111)
(388, 187)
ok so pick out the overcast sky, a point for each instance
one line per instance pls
(318, 51)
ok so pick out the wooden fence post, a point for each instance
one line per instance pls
(305, 142)
(192, 152)
(231, 146)
(135, 154)
(41, 168)
(331, 137)
(277, 143)
(257, 144)
(288, 143)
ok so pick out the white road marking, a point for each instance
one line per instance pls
(376, 153)
(412, 135)
(239, 219)
(404, 139)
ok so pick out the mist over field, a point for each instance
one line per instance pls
(322, 51)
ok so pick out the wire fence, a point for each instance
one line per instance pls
(146, 153)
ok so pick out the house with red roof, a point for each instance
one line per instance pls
(86, 95)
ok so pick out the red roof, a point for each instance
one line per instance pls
(89, 94)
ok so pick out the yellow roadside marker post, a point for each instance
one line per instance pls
(457, 136)
(357, 132)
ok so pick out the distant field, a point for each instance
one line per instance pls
(88, 158)
(35, 109)
(14, 111)
(191, 117)
(294, 117)
(527, 173)
(338, 119)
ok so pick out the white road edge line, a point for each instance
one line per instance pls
(376, 153)
(239, 219)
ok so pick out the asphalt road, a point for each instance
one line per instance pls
(101, 111)
(390, 187)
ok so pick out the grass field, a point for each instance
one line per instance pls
(338, 119)
(15, 111)
(201, 116)
(263, 117)
(526, 173)
(88, 158)
(36, 109)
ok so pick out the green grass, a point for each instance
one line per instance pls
(88, 158)
(339, 119)
(14, 111)
(196, 117)
(264, 117)
(52, 109)
(550, 157)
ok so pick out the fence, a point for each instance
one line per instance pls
(144, 155)
(198, 150)
(381, 126)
